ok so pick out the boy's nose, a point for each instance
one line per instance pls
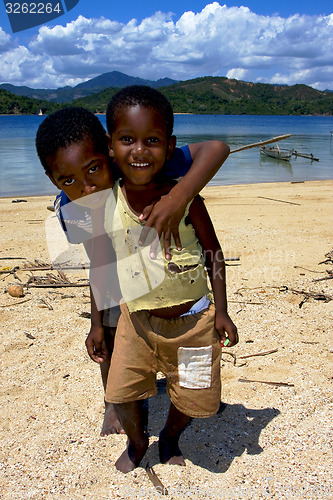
(138, 148)
(88, 189)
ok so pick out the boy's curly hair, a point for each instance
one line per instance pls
(139, 95)
(65, 127)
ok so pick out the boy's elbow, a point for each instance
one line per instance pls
(221, 150)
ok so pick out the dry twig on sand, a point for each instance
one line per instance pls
(278, 384)
(156, 480)
(53, 281)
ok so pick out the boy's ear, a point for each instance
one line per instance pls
(52, 180)
(111, 153)
(171, 147)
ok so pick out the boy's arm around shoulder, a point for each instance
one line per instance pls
(95, 343)
(216, 269)
(166, 214)
(98, 249)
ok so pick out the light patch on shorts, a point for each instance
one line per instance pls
(195, 367)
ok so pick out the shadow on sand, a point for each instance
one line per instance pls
(211, 443)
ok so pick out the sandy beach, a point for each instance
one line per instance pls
(272, 438)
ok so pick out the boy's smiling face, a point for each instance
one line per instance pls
(79, 170)
(140, 145)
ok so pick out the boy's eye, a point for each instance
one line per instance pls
(93, 169)
(153, 140)
(126, 139)
(69, 182)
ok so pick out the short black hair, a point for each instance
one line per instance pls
(139, 95)
(65, 127)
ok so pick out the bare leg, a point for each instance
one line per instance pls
(132, 417)
(111, 424)
(169, 437)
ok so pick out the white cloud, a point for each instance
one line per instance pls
(237, 73)
(219, 41)
(5, 41)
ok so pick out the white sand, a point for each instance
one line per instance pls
(271, 441)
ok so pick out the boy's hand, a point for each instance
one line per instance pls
(226, 329)
(95, 344)
(164, 216)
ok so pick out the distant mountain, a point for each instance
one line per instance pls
(208, 95)
(68, 94)
(120, 80)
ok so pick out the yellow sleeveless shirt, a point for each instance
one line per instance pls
(153, 283)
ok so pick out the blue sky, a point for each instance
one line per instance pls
(284, 42)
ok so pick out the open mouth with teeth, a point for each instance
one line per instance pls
(140, 165)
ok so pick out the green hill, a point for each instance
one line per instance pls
(11, 104)
(224, 96)
(219, 95)
(207, 95)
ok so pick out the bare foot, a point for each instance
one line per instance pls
(111, 424)
(169, 450)
(124, 463)
(131, 457)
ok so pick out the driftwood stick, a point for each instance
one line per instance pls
(155, 480)
(281, 201)
(55, 285)
(37, 268)
(12, 258)
(261, 143)
(323, 279)
(284, 384)
(309, 342)
(310, 270)
(246, 302)
(312, 295)
(16, 303)
(258, 354)
(52, 268)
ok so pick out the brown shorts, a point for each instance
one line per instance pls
(185, 349)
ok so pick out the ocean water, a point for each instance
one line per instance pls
(22, 175)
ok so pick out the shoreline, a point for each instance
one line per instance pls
(272, 437)
(209, 186)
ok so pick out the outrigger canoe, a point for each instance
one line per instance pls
(277, 153)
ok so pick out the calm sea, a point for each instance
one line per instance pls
(22, 175)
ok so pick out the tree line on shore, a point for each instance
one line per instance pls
(206, 95)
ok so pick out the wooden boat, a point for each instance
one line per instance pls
(276, 152)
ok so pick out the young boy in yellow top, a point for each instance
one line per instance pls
(73, 148)
(169, 322)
